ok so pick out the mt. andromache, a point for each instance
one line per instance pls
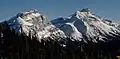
(86, 26)
(83, 25)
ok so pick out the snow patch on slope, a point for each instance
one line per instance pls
(71, 31)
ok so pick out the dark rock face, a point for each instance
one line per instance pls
(19, 46)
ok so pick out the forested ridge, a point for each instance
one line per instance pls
(19, 46)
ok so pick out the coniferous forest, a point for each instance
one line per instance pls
(19, 46)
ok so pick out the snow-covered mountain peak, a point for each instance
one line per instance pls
(85, 10)
(29, 14)
(84, 23)
(35, 24)
(29, 18)
(85, 15)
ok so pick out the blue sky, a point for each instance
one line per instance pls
(57, 8)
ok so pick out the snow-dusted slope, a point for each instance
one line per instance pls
(88, 26)
(32, 22)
